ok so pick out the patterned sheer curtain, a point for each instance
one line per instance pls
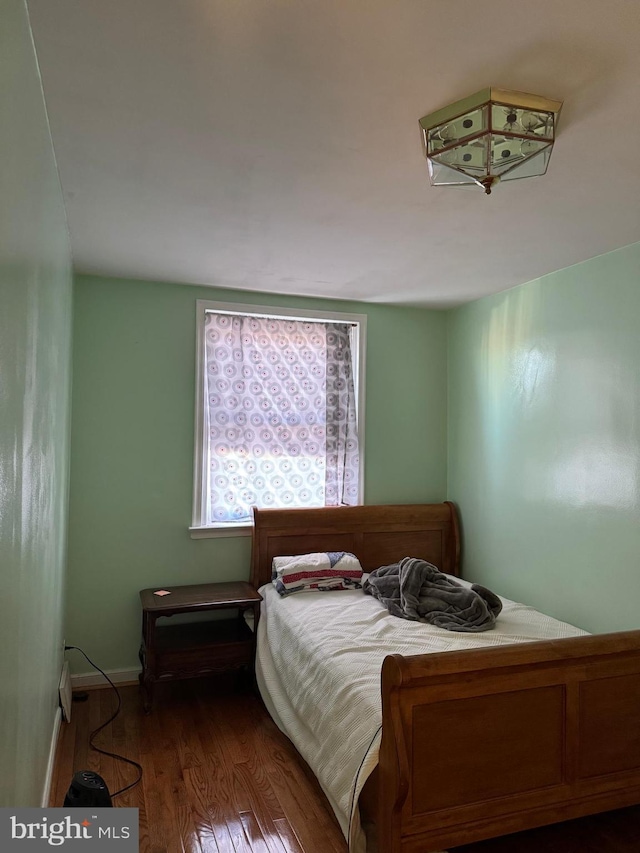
(281, 415)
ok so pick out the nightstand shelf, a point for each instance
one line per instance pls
(188, 650)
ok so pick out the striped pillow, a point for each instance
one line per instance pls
(319, 572)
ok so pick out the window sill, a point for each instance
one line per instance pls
(221, 531)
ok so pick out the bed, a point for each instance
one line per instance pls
(471, 744)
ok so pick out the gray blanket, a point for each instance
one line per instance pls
(414, 589)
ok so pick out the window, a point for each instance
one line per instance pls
(279, 408)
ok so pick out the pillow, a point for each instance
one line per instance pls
(319, 572)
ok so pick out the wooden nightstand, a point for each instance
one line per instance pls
(171, 652)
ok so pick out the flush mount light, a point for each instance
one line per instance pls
(494, 135)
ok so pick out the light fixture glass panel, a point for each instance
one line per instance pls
(514, 120)
(444, 176)
(529, 168)
(507, 151)
(470, 157)
(451, 132)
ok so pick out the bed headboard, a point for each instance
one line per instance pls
(377, 535)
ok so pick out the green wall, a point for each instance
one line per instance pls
(35, 343)
(132, 444)
(544, 440)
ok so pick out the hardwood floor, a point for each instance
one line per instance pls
(219, 777)
(218, 774)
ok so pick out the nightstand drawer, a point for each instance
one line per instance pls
(202, 647)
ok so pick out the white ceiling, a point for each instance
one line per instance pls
(273, 145)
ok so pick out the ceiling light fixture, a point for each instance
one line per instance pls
(494, 135)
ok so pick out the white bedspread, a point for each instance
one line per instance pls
(318, 666)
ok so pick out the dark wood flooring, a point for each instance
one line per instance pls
(219, 777)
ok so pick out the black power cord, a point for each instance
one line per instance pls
(105, 724)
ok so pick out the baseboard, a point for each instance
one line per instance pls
(53, 748)
(89, 680)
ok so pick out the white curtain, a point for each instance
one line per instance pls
(281, 415)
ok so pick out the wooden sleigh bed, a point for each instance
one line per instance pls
(533, 733)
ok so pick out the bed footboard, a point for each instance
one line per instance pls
(484, 743)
